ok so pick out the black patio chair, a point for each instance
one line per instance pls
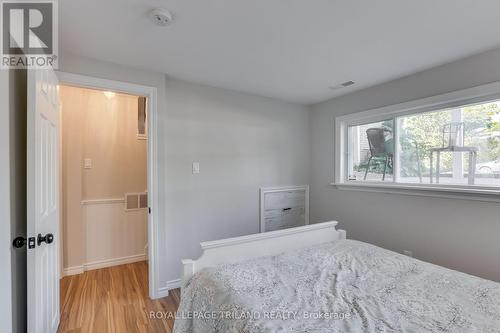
(380, 141)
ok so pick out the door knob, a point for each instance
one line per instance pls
(48, 238)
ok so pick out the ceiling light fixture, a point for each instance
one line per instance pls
(109, 94)
(161, 16)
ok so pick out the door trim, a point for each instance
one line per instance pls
(151, 93)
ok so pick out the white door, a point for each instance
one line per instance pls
(43, 201)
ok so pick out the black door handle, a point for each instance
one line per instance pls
(48, 238)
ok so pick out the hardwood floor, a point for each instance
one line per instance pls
(113, 299)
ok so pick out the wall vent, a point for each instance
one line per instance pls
(136, 201)
(342, 85)
(347, 84)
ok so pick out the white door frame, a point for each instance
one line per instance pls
(155, 291)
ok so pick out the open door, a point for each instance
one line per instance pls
(43, 202)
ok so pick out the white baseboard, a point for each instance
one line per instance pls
(172, 284)
(114, 262)
(162, 292)
(75, 270)
(103, 264)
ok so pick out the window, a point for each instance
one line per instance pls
(450, 141)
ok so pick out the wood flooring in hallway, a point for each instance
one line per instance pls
(113, 299)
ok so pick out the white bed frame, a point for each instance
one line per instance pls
(236, 249)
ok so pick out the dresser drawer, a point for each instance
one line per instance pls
(284, 207)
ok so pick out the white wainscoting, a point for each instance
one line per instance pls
(113, 236)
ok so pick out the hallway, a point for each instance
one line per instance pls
(113, 299)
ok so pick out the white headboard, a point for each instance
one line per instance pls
(236, 249)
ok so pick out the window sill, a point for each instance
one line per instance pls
(452, 192)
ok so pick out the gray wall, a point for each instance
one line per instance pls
(242, 142)
(458, 234)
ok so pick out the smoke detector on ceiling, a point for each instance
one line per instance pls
(161, 16)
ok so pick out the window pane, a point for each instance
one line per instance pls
(456, 135)
(371, 152)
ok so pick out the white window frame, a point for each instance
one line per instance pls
(475, 95)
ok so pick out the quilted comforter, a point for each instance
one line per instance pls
(343, 286)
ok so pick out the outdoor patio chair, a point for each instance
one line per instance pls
(381, 146)
(453, 141)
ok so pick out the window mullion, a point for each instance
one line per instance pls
(397, 149)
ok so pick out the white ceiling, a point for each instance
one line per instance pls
(287, 49)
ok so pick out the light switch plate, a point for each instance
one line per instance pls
(87, 163)
(196, 168)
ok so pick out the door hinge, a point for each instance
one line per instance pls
(149, 210)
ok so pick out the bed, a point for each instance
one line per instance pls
(313, 279)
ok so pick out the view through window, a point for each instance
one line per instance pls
(458, 146)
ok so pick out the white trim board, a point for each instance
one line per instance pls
(422, 191)
(102, 201)
(172, 284)
(152, 111)
(163, 292)
(75, 270)
(114, 262)
(462, 97)
(103, 264)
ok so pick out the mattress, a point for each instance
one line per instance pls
(342, 286)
